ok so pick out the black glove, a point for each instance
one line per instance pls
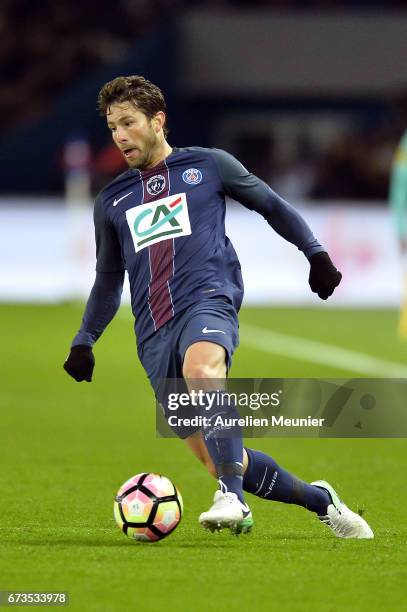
(80, 363)
(323, 276)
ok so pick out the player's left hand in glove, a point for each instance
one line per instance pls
(323, 276)
(80, 363)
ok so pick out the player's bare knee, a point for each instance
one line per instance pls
(193, 370)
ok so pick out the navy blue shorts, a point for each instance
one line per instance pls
(162, 354)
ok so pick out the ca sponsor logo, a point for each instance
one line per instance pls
(159, 220)
(192, 176)
(156, 184)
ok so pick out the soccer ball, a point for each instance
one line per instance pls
(148, 507)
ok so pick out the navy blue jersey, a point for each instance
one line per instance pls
(166, 227)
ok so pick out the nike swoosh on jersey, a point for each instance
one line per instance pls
(212, 331)
(122, 198)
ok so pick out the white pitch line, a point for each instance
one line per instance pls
(318, 352)
(295, 347)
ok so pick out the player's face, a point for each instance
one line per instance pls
(134, 133)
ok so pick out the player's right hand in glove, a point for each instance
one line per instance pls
(80, 363)
(323, 276)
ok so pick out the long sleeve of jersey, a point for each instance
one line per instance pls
(398, 188)
(105, 296)
(103, 303)
(254, 194)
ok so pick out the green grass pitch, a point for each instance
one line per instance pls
(65, 448)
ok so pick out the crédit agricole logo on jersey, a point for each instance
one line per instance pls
(159, 220)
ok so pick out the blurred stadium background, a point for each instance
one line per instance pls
(312, 97)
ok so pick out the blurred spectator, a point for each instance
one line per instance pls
(48, 44)
(295, 179)
(107, 163)
(357, 165)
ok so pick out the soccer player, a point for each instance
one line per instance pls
(398, 202)
(163, 220)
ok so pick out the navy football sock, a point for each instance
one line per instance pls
(265, 478)
(225, 445)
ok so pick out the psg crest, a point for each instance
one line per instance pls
(156, 184)
(192, 176)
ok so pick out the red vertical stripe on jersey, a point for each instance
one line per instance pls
(161, 256)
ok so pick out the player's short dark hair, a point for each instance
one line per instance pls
(144, 95)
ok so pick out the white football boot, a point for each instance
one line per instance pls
(227, 512)
(340, 519)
